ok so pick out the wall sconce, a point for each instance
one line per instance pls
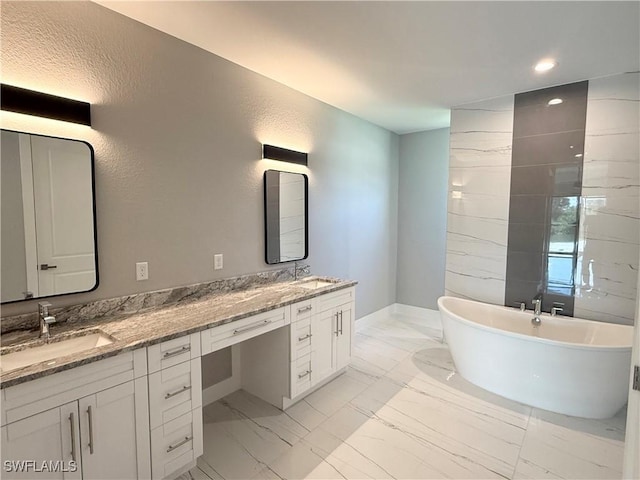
(29, 102)
(284, 155)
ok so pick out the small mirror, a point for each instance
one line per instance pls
(285, 214)
(48, 217)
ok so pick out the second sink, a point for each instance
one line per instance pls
(313, 284)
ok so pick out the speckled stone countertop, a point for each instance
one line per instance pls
(159, 324)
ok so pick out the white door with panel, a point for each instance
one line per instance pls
(43, 446)
(66, 257)
(107, 439)
(331, 330)
(343, 340)
(323, 332)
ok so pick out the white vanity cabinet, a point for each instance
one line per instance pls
(332, 333)
(321, 338)
(88, 422)
(175, 405)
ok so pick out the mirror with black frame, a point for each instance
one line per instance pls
(285, 213)
(48, 222)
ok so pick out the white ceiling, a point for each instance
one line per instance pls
(402, 65)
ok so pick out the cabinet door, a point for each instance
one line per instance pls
(108, 433)
(43, 446)
(343, 340)
(323, 331)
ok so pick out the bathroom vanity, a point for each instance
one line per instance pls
(133, 408)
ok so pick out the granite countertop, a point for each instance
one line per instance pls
(159, 324)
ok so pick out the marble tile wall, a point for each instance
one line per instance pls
(478, 204)
(609, 235)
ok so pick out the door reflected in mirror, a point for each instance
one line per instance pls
(47, 218)
(286, 223)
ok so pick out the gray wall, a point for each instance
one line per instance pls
(422, 217)
(177, 134)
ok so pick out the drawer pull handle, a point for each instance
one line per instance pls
(179, 444)
(340, 322)
(173, 394)
(304, 337)
(251, 327)
(73, 436)
(304, 309)
(302, 375)
(90, 414)
(177, 351)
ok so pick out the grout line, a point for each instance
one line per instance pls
(524, 439)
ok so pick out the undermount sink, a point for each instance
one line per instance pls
(313, 284)
(57, 347)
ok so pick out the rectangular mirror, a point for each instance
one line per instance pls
(285, 214)
(48, 222)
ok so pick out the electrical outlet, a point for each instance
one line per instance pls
(217, 261)
(142, 271)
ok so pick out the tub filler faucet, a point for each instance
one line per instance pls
(537, 310)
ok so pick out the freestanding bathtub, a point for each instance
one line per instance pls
(566, 365)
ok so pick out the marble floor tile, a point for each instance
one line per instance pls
(206, 469)
(302, 462)
(377, 352)
(572, 448)
(306, 415)
(264, 416)
(237, 446)
(335, 394)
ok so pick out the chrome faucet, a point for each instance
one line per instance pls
(537, 306)
(537, 310)
(45, 319)
(300, 269)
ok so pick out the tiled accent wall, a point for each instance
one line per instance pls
(610, 216)
(609, 231)
(478, 205)
(546, 182)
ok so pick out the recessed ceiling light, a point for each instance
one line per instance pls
(545, 65)
(555, 101)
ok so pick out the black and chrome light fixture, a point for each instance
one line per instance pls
(30, 102)
(284, 155)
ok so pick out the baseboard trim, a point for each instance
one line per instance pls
(375, 316)
(430, 317)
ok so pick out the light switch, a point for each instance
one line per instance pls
(217, 261)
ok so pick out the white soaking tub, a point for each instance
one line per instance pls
(565, 365)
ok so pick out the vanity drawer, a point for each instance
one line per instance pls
(334, 299)
(173, 352)
(174, 391)
(176, 444)
(302, 310)
(300, 375)
(231, 333)
(300, 339)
